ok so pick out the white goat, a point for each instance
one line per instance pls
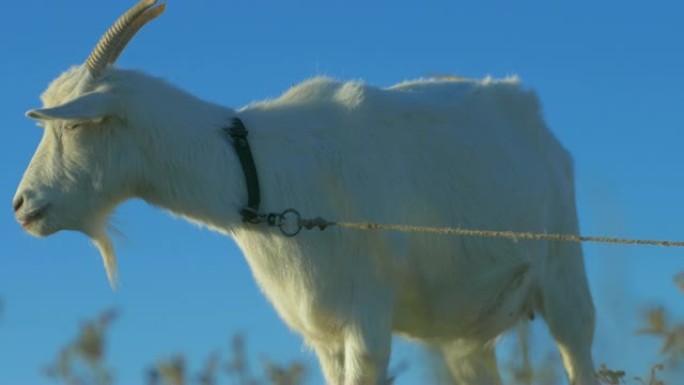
(449, 152)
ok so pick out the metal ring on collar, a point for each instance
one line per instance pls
(283, 220)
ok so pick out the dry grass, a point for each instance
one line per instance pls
(235, 370)
(83, 361)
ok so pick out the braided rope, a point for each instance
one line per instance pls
(514, 235)
(291, 223)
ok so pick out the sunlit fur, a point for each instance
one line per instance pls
(452, 152)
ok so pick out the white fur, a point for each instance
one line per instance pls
(448, 152)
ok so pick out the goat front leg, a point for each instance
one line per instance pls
(368, 343)
(366, 355)
(471, 363)
(331, 358)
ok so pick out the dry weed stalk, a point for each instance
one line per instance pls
(82, 361)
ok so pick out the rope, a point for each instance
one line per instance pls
(291, 223)
(514, 235)
(322, 224)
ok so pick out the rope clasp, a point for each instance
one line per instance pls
(290, 222)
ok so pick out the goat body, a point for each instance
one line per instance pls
(463, 153)
(435, 152)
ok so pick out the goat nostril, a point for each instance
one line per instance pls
(18, 203)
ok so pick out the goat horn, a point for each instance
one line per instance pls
(98, 58)
(138, 23)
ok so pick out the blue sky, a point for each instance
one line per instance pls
(609, 75)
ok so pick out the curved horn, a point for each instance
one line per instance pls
(97, 61)
(138, 23)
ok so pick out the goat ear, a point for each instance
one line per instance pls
(87, 107)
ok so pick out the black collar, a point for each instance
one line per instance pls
(289, 221)
(237, 133)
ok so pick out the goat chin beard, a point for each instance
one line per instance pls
(104, 244)
(97, 228)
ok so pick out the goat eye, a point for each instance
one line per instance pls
(71, 126)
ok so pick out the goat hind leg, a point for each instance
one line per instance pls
(569, 312)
